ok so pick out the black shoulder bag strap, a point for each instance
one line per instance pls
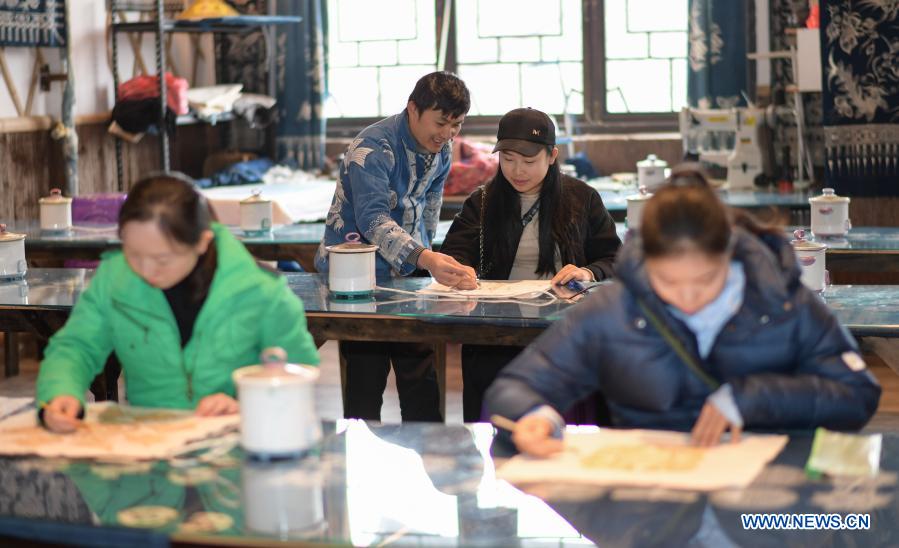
(481, 269)
(676, 345)
(530, 214)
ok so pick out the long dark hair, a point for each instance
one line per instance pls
(501, 222)
(182, 215)
(688, 214)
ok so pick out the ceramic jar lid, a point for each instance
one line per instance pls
(802, 244)
(55, 197)
(353, 244)
(255, 198)
(829, 196)
(652, 161)
(641, 195)
(9, 236)
(275, 371)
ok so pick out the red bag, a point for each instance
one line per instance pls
(473, 165)
(147, 87)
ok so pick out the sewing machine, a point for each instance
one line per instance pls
(727, 138)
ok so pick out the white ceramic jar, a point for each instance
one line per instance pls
(284, 499)
(14, 292)
(277, 406)
(351, 269)
(651, 172)
(12, 255)
(56, 212)
(830, 215)
(635, 203)
(811, 256)
(256, 214)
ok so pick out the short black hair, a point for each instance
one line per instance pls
(443, 91)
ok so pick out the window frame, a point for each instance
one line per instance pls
(596, 117)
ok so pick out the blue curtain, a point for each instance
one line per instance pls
(301, 69)
(717, 53)
(861, 96)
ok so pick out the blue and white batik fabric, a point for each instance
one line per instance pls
(389, 192)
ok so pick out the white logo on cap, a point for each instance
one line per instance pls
(536, 131)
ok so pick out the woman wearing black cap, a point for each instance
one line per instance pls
(529, 222)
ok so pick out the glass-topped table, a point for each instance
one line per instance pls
(86, 242)
(616, 200)
(865, 249)
(744, 199)
(44, 298)
(419, 485)
(794, 204)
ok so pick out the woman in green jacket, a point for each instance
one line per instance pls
(183, 304)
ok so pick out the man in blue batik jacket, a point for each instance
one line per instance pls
(389, 192)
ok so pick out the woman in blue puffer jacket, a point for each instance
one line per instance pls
(707, 328)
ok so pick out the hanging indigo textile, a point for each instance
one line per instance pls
(300, 84)
(32, 23)
(860, 52)
(716, 75)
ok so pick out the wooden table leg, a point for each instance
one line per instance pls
(11, 353)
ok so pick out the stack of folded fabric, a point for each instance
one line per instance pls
(210, 102)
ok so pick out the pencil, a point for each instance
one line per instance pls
(502, 422)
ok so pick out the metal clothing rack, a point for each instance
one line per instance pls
(160, 26)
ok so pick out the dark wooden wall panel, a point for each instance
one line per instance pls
(31, 163)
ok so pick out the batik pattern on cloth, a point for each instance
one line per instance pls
(717, 54)
(860, 52)
(32, 23)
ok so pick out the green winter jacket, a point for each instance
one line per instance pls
(247, 309)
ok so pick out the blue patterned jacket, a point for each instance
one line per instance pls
(384, 195)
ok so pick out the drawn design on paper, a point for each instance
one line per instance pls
(645, 458)
(109, 430)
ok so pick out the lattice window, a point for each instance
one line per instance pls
(514, 53)
(645, 55)
(376, 53)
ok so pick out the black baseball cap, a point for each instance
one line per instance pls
(526, 131)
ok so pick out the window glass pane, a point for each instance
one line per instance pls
(519, 49)
(470, 47)
(396, 85)
(487, 97)
(645, 84)
(668, 44)
(361, 20)
(569, 45)
(376, 53)
(544, 87)
(646, 50)
(621, 44)
(656, 15)
(353, 92)
(516, 17)
(510, 51)
(678, 83)
(343, 54)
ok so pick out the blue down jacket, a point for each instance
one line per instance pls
(790, 363)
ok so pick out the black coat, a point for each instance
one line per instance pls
(788, 360)
(595, 227)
